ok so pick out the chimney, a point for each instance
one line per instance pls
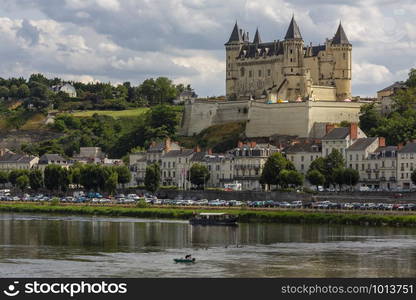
(253, 144)
(329, 128)
(240, 144)
(353, 131)
(400, 146)
(168, 144)
(210, 151)
(197, 149)
(381, 142)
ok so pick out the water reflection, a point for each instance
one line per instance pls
(49, 246)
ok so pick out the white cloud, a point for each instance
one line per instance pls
(113, 40)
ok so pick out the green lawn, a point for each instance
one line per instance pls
(112, 113)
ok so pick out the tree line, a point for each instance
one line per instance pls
(36, 93)
(56, 178)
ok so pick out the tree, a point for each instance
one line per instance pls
(4, 177)
(199, 175)
(22, 182)
(318, 165)
(13, 91)
(111, 182)
(413, 176)
(369, 118)
(152, 178)
(339, 177)
(291, 178)
(35, 179)
(315, 178)
(124, 175)
(274, 165)
(333, 161)
(162, 116)
(351, 177)
(4, 92)
(23, 91)
(14, 174)
(56, 178)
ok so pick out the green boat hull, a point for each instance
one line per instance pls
(184, 261)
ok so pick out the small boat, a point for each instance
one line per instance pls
(208, 219)
(185, 260)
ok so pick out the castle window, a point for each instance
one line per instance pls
(291, 60)
(344, 56)
(259, 73)
(291, 51)
(243, 72)
(250, 73)
(269, 72)
(291, 70)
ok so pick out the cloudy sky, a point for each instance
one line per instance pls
(131, 40)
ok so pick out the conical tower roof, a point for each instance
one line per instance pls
(235, 35)
(293, 31)
(257, 38)
(340, 37)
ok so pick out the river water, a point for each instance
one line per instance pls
(34, 245)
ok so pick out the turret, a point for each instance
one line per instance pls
(257, 38)
(342, 51)
(233, 48)
(293, 61)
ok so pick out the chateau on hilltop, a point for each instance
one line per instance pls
(281, 87)
(288, 69)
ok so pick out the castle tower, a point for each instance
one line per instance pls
(257, 38)
(293, 62)
(342, 51)
(233, 48)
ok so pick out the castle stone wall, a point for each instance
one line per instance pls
(284, 119)
(304, 119)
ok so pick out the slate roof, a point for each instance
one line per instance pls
(293, 31)
(235, 35)
(257, 38)
(409, 148)
(337, 134)
(362, 144)
(303, 147)
(264, 49)
(394, 86)
(178, 153)
(317, 49)
(15, 158)
(340, 37)
(46, 158)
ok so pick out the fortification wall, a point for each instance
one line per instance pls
(199, 115)
(331, 112)
(284, 119)
(324, 93)
(304, 119)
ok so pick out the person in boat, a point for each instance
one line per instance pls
(189, 256)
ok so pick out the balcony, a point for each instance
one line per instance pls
(393, 179)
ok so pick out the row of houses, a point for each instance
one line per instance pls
(13, 161)
(380, 166)
(243, 164)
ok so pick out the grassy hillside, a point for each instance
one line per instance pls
(137, 112)
(219, 138)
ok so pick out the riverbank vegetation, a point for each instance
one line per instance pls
(244, 216)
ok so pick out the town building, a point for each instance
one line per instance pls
(65, 88)
(175, 166)
(185, 96)
(249, 161)
(386, 95)
(10, 161)
(303, 154)
(52, 159)
(340, 138)
(220, 166)
(406, 163)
